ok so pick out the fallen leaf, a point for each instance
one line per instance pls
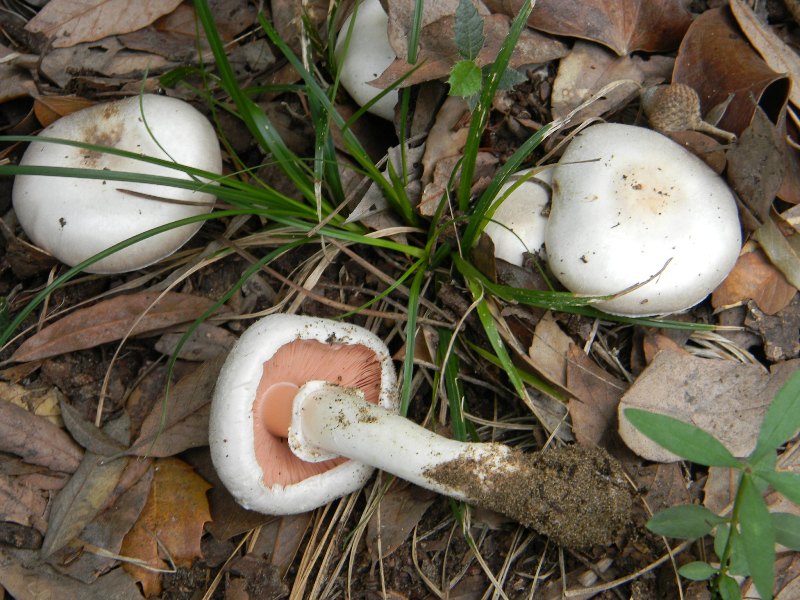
(42, 402)
(67, 22)
(110, 320)
(665, 486)
(175, 513)
(549, 350)
(779, 331)
(398, 513)
(51, 108)
(180, 421)
(726, 398)
(82, 559)
(281, 539)
(596, 394)
(37, 440)
(625, 26)
(754, 278)
(22, 504)
(36, 582)
(781, 242)
(86, 493)
(778, 55)
(716, 60)
(589, 68)
(89, 436)
(15, 82)
(447, 135)
(205, 343)
(756, 165)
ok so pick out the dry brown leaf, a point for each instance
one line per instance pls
(110, 320)
(281, 538)
(41, 581)
(70, 22)
(589, 68)
(37, 440)
(716, 60)
(777, 54)
(399, 512)
(778, 331)
(596, 395)
(549, 350)
(86, 493)
(20, 503)
(15, 82)
(205, 343)
(182, 422)
(726, 398)
(51, 108)
(624, 26)
(175, 512)
(754, 278)
(42, 402)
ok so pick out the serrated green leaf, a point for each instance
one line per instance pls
(786, 483)
(729, 589)
(468, 30)
(683, 439)
(465, 79)
(687, 521)
(698, 571)
(758, 536)
(787, 529)
(782, 419)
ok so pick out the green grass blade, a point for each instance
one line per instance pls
(407, 375)
(681, 438)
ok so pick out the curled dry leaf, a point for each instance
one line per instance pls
(589, 68)
(726, 398)
(66, 22)
(20, 503)
(399, 512)
(111, 320)
(716, 60)
(37, 440)
(777, 53)
(42, 402)
(175, 512)
(624, 26)
(754, 278)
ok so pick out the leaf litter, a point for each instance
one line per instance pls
(585, 361)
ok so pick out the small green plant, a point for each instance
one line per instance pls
(745, 539)
(466, 77)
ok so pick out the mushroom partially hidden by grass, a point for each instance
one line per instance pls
(298, 394)
(75, 218)
(633, 214)
(366, 55)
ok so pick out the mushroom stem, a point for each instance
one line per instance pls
(577, 496)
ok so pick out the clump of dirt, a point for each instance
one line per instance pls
(575, 495)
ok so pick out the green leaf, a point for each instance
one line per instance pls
(465, 79)
(510, 78)
(787, 529)
(782, 419)
(758, 536)
(468, 30)
(698, 571)
(687, 521)
(729, 589)
(786, 483)
(683, 439)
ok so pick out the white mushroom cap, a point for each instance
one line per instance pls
(256, 466)
(517, 226)
(368, 55)
(75, 218)
(631, 207)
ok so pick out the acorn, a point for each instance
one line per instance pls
(676, 107)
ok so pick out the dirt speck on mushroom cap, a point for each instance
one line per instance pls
(575, 495)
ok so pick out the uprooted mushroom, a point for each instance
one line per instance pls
(298, 396)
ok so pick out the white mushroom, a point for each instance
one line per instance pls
(75, 218)
(517, 226)
(291, 401)
(635, 214)
(368, 54)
